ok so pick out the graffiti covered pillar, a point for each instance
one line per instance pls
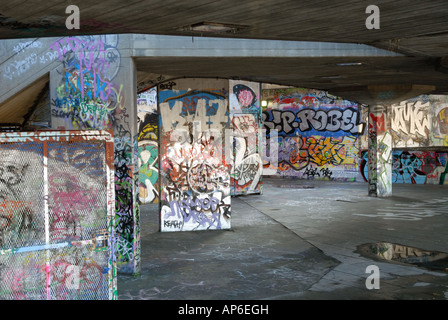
(148, 146)
(194, 174)
(246, 119)
(126, 171)
(380, 153)
(95, 88)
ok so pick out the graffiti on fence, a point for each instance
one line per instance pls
(56, 219)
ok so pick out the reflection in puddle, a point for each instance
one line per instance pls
(432, 260)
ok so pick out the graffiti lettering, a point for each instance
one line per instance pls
(410, 123)
(332, 120)
(204, 212)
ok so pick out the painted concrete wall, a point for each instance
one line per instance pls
(194, 177)
(318, 134)
(22, 62)
(420, 122)
(419, 132)
(416, 131)
(415, 167)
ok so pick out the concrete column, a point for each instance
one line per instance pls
(380, 153)
(94, 88)
(126, 169)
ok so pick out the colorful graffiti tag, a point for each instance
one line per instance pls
(317, 134)
(148, 146)
(420, 122)
(86, 97)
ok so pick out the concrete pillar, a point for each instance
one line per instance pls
(380, 153)
(94, 88)
(127, 211)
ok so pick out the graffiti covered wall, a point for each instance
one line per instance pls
(148, 146)
(318, 134)
(245, 114)
(418, 128)
(195, 178)
(420, 122)
(415, 167)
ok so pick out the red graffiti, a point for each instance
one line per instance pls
(377, 122)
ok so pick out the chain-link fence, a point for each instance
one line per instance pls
(57, 215)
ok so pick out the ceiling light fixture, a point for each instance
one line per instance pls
(331, 77)
(213, 27)
(347, 64)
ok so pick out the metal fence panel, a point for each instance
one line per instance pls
(57, 216)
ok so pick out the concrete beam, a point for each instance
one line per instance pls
(182, 46)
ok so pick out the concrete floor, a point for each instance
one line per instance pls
(299, 240)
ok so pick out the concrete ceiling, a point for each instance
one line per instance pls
(417, 29)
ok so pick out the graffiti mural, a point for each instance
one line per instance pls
(148, 146)
(86, 97)
(415, 167)
(194, 179)
(246, 161)
(57, 225)
(317, 134)
(439, 129)
(410, 123)
(420, 122)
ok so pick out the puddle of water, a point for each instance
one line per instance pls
(432, 260)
